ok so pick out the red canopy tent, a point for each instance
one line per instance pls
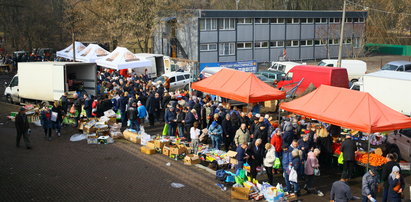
(238, 85)
(348, 108)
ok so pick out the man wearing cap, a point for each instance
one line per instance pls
(23, 128)
(348, 149)
(369, 185)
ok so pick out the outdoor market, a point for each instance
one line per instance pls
(219, 123)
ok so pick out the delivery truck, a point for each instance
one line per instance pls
(389, 87)
(301, 77)
(47, 81)
(355, 68)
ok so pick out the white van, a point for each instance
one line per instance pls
(209, 71)
(282, 66)
(355, 68)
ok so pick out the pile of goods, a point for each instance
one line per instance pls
(375, 159)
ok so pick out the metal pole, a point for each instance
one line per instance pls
(368, 152)
(341, 36)
(74, 45)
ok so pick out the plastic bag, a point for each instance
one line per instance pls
(177, 185)
(316, 171)
(37, 123)
(277, 163)
(341, 158)
(165, 130)
(78, 137)
(293, 176)
(110, 113)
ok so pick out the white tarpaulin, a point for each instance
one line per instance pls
(122, 58)
(68, 52)
(91, 53)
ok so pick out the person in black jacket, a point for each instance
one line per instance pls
(180, 126)
(261, 133)
(386, 171)
(122, 102)
(64, 102)
(348, 148)
(87, 105)
(57, 111)
(77, 102)
(228, 131)
(153, 107)
(132, 116)
(188, 122)
(256, 155)
(23, 128)
(170, 119)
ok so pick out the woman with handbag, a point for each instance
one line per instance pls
(396, 185)
(268, 161)
(312, 169)
(46, 123)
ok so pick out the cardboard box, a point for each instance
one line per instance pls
(241, 193)
(132, 137)
(191, 159)
(177, 150)
(92, 141)
(160, 144)
(111, 121)
(189, 150)
(147, 150)
(166, 150)
(151, 144)
(103, 132)
(231, 155)
(89, 130)
(103, 139)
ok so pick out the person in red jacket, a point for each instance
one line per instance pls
(277, 141)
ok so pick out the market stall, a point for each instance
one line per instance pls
(237, 85)
(122, 58)
(92, 53)
(67, 53)
(349, 109)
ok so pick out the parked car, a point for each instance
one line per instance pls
(282, 66)
(402, 139)
(178, 80)
(273, 76)
(355, 68)
(264, 79)
(402, 66)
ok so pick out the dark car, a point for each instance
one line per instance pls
(272, 75)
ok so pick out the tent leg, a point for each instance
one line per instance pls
(279, 112)
(368, 152)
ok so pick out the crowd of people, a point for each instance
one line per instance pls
(295, 148)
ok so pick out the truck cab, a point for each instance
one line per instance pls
(12, 90)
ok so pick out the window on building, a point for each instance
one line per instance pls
(295, 43)
(289, 20)
(355, 20)
(208, 47)
(356, 42)
(335, 20)
(226, 24)
(280, 20)
(261, 44)
(348, 19)
(287, 43)
(330, 41)
(244, 45)
(336, 41)
(303, 42)
(261, 21)
(361, 20)
(321, 20)
(347, 41)
(317, 42)
(244, 21)
(208, 24)
(296, 20)
(277, 44)
(306, 20)
(227, 49)
(309, 43)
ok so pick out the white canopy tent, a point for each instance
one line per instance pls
(91, 53)
(68, 52)
(122, 58)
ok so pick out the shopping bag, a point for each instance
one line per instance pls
(165, 130)
(72, 110)
(277, 163)
(341, 158)
(118, 115)
(293, 176)
(316, 171)
(53, 116)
